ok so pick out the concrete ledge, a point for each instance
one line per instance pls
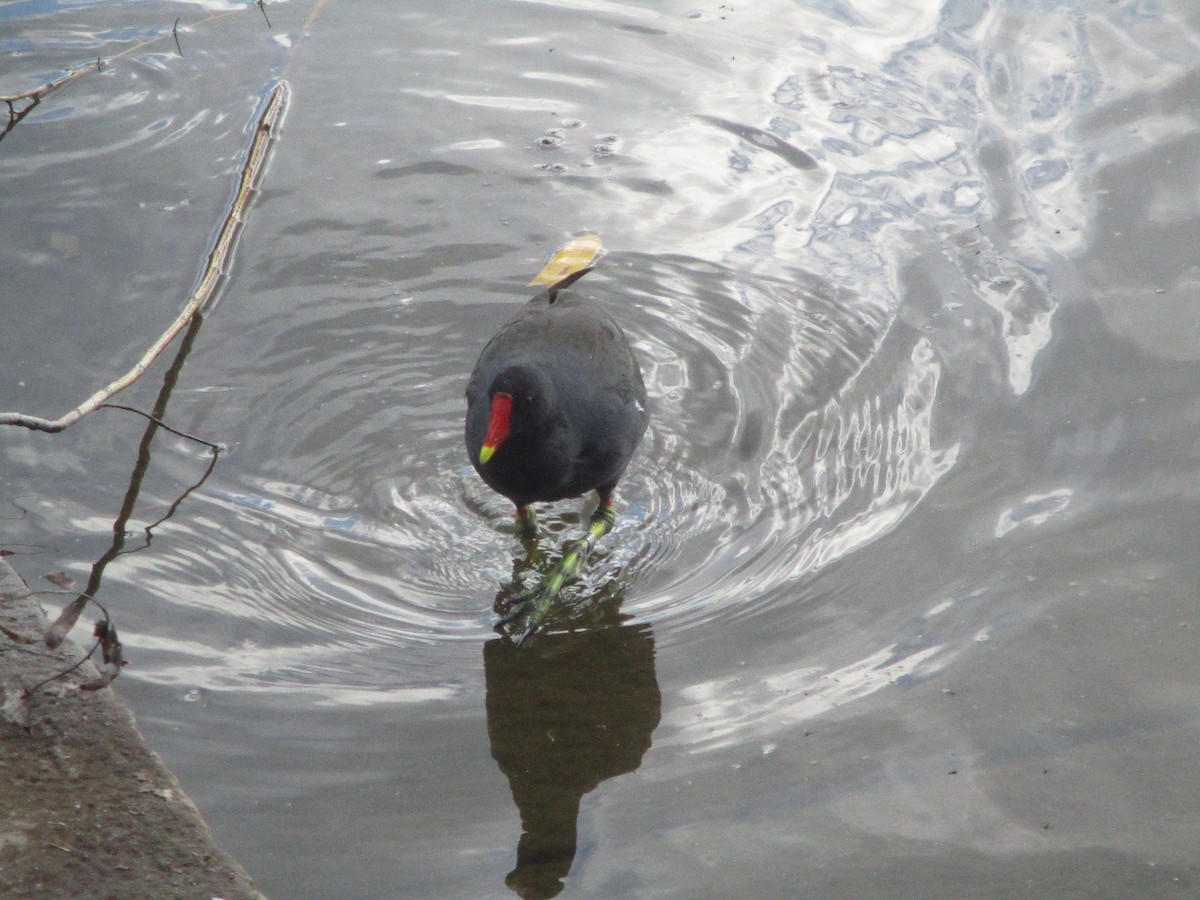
(86, 808)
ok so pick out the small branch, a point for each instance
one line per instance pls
(57, 632)
(32, 98)
(24, 512)
(120, 528)
(30, 691)
(256, 162)
(38, 93)
(215, 448)
(105, 634)
(16, 115)
(214, 270)
(212, 464)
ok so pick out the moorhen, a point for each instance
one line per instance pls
(555, 408)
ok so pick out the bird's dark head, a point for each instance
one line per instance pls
(521, 399)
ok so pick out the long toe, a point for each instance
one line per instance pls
(530, 630)
(537, 616)
(515, 610)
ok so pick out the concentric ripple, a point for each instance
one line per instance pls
(757, 246)
(781, 439)
(780, 442)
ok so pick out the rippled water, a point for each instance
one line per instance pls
(902, 595)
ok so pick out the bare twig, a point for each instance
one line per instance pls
(32, 98)
(120, 529)
(216, 448)
(16, 115)
(57, 632)
(30, 691)
(212, 464)
(214, 271)
(38, 93)
(66, 619)
(256, 161)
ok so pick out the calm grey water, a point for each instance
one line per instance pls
(902, 601)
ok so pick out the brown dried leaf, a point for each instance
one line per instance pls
(16, 636)
(578, 253)
(60, 579)
(110, 645)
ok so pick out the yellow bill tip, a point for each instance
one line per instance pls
(485, 453)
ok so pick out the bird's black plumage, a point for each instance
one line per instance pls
(578, 406)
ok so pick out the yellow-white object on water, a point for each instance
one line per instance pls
(579, 252)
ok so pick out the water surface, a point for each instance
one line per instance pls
(902, 597)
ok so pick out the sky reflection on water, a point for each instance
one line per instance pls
(906, 562)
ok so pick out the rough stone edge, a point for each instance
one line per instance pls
(86, 808)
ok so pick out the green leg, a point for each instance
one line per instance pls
(538, 599)
(527, 532)
(526, 523)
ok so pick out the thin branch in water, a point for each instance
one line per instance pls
(15, 696)
(215, 448)
(256, 163)
(174, 507)
(134, 48)
(33, 97)
(262, 6)
(24, 512)
(217, 264)
(30, 691)
(14, 115)
(65, 622)
(120, 531)
(212, 464)
(57, 632)
(156, 422)
(50, 87)
(61, 592)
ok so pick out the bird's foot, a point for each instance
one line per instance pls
(537, 604)
(537, 600)
(534, 602)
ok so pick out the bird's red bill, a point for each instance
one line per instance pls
(497, 431)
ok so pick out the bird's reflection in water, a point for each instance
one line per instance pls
(565, 712)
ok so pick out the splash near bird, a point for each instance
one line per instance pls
(555, 408)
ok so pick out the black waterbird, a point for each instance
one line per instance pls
(556, 407)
